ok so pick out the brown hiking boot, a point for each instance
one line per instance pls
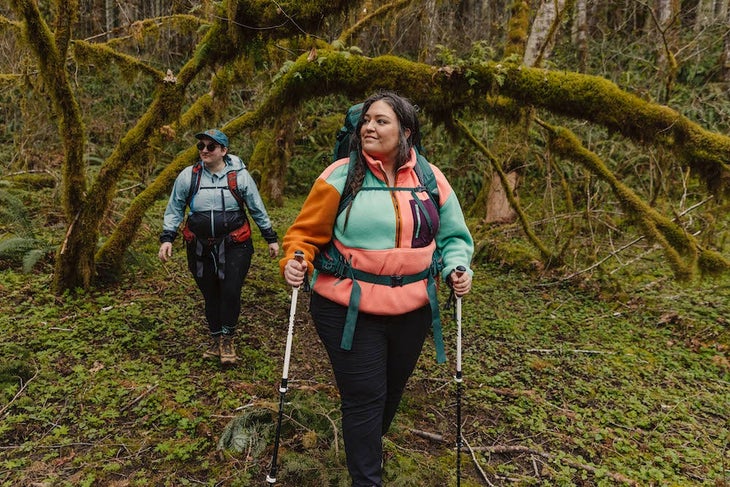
(215, 348)
(228, 351)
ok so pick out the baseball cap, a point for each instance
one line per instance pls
(214, 134)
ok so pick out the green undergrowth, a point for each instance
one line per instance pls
(602, 381)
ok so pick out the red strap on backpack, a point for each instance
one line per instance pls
(232, 177)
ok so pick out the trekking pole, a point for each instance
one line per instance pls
(271, 477)
(457, 378)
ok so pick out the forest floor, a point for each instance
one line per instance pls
(607, 380)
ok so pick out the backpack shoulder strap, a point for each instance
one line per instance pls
(232, 177)
(346, 196)
(194, 181)
(423, 171)
(427, 177)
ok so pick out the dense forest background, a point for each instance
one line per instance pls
(609, 115)
(587, 142)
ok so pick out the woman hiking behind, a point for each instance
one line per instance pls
(218, 190)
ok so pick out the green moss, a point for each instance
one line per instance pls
(713, 263)
(33, 181)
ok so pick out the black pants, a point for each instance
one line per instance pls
(370, 377)
(222, 296)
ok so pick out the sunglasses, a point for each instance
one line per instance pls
(210, 147)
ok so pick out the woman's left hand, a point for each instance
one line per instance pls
(461, 284)
(273, 249)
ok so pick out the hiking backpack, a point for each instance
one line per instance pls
(231, 176)
(423, 170)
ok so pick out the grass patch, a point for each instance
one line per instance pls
(599, 382)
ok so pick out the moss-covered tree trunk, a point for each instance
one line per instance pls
(511, 153)
(75, 257)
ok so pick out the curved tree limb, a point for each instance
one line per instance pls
(546, 254)
(442, 92)
(681, 248)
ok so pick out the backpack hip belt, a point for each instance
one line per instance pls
(216, 246)
(336, 265)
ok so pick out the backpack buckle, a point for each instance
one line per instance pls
(396, 281)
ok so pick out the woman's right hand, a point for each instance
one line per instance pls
(294, 272)
(165, 251)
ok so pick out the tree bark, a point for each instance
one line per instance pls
(537, 49)
(580, 34)
(725, 58)
(542, 34)
(668, 39)
(109, 17)
(74, 261)
(498, 208)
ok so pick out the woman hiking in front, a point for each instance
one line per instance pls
(374, 270)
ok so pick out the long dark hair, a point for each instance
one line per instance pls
(407, 115)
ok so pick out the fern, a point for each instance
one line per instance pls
(14, 214)
(26, 251)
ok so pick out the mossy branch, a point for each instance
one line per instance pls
(600, 101)
(442, 92)
(67, 14)
(517, 28)
(680, 248)
(4, 21)
(547, 256)
(368, 19)
(110, 255)
(102, 54)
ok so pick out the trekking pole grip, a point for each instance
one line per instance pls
(299, 257)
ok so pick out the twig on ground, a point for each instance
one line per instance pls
(523, 449)
(476, 463)
(23, 386)
(335, 440)
(553, 350)
(427, 435)
(150, 388)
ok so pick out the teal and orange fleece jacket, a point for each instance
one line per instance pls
(386, 234)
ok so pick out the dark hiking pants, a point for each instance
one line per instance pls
(222, 296)
(370, 377)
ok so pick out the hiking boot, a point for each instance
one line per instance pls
(228, 351)
(214, 350)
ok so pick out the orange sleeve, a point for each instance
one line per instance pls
(312, 228)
